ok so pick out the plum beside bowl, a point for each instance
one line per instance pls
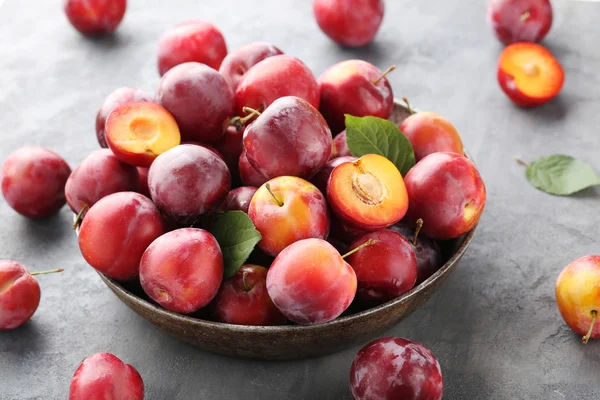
(293, 341)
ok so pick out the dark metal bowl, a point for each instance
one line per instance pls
(293, 341)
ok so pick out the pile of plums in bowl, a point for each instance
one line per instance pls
(257, 211)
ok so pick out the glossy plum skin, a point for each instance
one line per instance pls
(431, 133)
(248, 174)
(199, 98)
(345, 232)
(349, 88)
(519, 20)
(99, 175)
(192, 41)
(33, 181)
(347, 22)
(243, 299)
(231, 146)
(117, 98)
(427, 251)
(340, 146)
(19, 295)
(386, 269)
(95, 17)
(104, 376)
(289, 138)
(395, 368)
(303, 214)
(578, 294)
(275, 77)
(182, 270)
(321, 179)
(143, 181)
(237, 63)
(238, 199)
(116, 231)
(187, 182)
(310, 282)
(447, 192)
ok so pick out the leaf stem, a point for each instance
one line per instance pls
(268, 186)
(387, 71)
(521, 161)
(52, 271)
(525, 16)
(79, 216)
(362, 246)
(589, 334)
(417, 230)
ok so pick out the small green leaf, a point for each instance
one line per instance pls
(237, 237)
(561, 175)
(372, 135)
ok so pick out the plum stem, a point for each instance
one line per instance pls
(387, 71)
(521, 161)
(589, 334)
(362, 246)
(52, 271)
(417, 230)
(410, 109)
(268, 186)
(244, 276)
(252, 111)
(525, 16)
(79, 217)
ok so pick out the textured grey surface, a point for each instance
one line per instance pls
(494, 327)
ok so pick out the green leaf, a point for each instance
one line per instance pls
(561, 175)
(372, 135)
(237, 237)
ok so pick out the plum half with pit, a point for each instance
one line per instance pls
(33, 181)
(187, 182)
(289, 138)
(368, 193)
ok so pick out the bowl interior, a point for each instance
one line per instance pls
(292, 341)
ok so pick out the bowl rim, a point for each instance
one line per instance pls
(339, 322)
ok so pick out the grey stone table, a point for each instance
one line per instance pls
(494, 326)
